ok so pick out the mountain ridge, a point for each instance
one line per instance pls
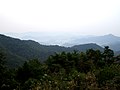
(105, 40)
(18, 50)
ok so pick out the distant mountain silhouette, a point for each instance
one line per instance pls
(106, 40)
(17, 51)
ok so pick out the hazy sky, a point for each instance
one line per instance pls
(87, 17)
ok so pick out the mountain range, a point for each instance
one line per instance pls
(70, 39)
(107, 40)
(18, 51)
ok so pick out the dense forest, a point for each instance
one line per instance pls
(90, 70)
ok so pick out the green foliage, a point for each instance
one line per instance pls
(108, 77)
(108, 55)
(7, 77)
(32, 69)
(90, 70)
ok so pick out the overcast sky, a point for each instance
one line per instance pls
(87, 17)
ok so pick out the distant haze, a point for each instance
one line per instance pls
(86, 17)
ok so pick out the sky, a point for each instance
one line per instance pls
(86, 17)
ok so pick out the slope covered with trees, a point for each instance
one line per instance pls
(90, 70)
(18, 51)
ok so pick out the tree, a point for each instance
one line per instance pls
(31, 69)
(108, 55)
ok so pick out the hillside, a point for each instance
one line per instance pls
(84, 47)
(17, 51)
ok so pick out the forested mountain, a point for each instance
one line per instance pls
(85, 68)
(84, 47)
(17, 51)
(70, 40)
(20, 50)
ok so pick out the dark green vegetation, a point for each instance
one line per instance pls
(40, 67)
(18, 51)
(90, 70)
